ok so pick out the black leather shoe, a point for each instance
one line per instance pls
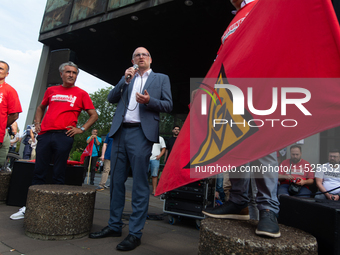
(229, 210)
(105, 232)
(129, 243)
(268, 225)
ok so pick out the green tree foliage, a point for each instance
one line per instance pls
(105, 112)
(167, 122)
(75, 155)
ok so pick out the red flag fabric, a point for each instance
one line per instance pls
(283, 58)
(69, 162)
(87, 151)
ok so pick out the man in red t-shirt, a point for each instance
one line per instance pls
(296, 170)
(10, 108)
(59, 125)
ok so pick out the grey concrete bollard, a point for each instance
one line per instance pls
(59, 212)
(5, 178)
(221, 236)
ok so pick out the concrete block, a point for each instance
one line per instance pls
(5, 178)
(59, 212)
(222, 236)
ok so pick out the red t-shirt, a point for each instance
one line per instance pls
(9, 103)
(236, 22)
(301, 170)
(64, 107)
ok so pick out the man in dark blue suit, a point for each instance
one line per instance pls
(141, 95)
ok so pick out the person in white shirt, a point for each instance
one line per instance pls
(158, 150)
(327, 177)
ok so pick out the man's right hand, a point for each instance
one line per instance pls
(37, 127)
(289, 177)
(130, 72)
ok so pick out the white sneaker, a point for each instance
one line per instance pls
(19, 215)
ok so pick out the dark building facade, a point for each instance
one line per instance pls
(183, 37)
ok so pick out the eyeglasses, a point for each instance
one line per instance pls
(139, 55)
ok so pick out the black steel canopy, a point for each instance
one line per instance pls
(182, 37)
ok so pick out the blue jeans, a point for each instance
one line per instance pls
(322, 196)
(153, 167)
(27, 152)
(283, 190)
(219, 186)
(266, 197)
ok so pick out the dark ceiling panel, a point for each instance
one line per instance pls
(183, 41)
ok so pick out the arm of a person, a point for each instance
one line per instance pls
(11, 118)
(164, 104)
(16, 139)
(14, 127)
(38, 116)
(89, 139)
(305, 182)
(32, 135)
(115, 94)
(97, 140)
(322, 188)
(283, 177)
(92, 119)
(103, 151)
(161, 154)
(166, 155)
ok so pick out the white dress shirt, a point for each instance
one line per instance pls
(132, 114)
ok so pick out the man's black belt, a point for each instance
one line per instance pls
(57, 131)
(131, 125)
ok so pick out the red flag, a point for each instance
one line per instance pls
(283, 58)
(87, 151)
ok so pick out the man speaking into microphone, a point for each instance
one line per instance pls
(141, 95)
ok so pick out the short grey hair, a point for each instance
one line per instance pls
(1, 61)
(70, 63)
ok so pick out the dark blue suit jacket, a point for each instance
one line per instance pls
(159, 89)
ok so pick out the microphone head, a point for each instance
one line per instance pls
(135, 66)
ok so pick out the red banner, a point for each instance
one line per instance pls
(272, 84)
(87, 151)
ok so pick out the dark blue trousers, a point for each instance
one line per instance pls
(52, 144)
(130, 148)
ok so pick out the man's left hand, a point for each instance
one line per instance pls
(73, 131)
(335, 197)
(143, 99)
(300, 182)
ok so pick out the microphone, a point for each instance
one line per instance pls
(135, 66)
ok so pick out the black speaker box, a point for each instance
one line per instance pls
(58, 57)
(321, 218)
(22, 176)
